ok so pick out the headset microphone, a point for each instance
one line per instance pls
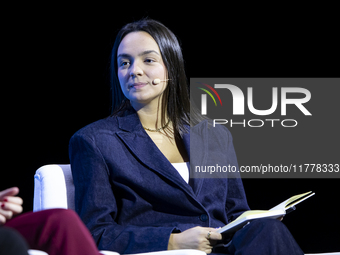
(157, 81)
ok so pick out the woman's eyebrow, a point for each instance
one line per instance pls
(147, 52)
(125, 55)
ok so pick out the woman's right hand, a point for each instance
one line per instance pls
(9, 204)
(195, 238)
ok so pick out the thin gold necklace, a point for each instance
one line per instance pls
(158, 129)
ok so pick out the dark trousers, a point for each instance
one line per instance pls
(263, 237)
(55, 231)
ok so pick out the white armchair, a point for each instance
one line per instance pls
(54, 188)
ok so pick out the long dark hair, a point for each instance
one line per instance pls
(176, 99)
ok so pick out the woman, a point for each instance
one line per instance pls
(56, 231)
(130, 170)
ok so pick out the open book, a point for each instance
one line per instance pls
(274, 213)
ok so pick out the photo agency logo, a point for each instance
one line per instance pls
(204, 98)
(282, 127)
(251, 102)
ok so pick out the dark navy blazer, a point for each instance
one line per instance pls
(130, 196)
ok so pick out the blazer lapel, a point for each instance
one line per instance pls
(142, 146)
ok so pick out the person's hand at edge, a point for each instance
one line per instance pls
(9, 204)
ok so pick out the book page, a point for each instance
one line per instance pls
(292, 201)
(275, 213)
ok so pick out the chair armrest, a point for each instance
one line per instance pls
(50, 188)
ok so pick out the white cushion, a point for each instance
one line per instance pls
(36, 252)
(109, 253)
(328, 253)
(174, 252)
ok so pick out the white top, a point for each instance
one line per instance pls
(183, 170)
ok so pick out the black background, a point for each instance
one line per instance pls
(54, 83)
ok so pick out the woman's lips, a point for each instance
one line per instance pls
(138, 85)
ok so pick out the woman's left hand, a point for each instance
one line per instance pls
(9, 204)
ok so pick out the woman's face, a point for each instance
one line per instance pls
(139, 63)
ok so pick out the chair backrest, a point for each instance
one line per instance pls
(53, 188)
